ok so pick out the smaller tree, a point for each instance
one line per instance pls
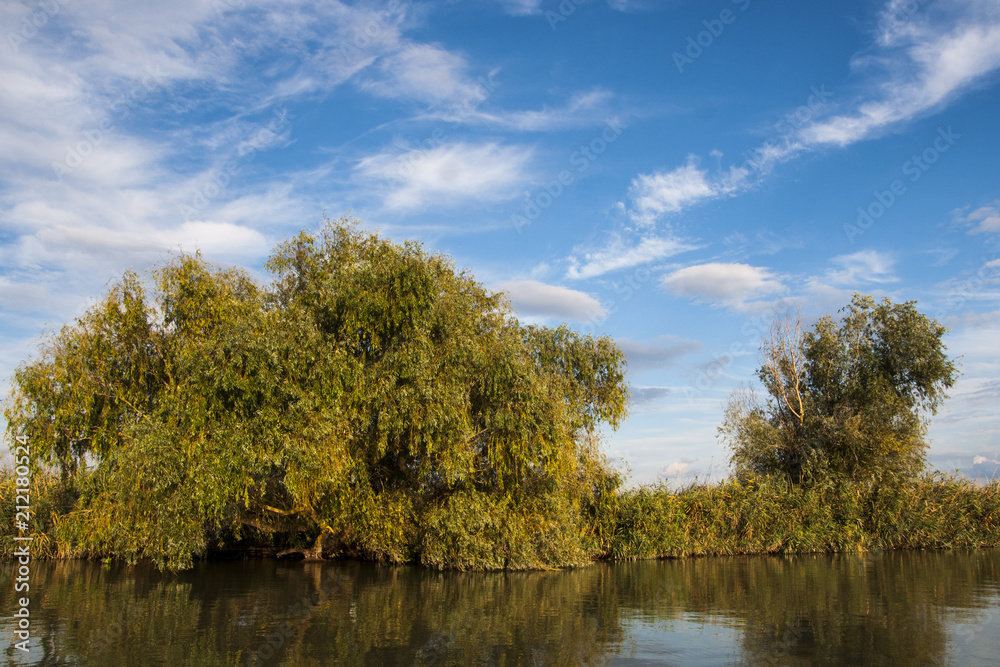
(849, 399)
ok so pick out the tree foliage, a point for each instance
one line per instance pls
(371, 401)
(849, 399)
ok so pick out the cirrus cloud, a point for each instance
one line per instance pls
(619, 254)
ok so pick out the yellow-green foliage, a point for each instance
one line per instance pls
(47, 499)
(848, 399)
(774, 516)
(371, 401)
(478, 530)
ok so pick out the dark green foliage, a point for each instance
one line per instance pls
(847, 400)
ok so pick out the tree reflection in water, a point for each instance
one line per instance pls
(898, 607)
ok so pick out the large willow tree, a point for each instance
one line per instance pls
(370, 402)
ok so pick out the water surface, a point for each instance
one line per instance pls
(900, 608)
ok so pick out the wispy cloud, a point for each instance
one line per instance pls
(425, 73)
(984, 220)
(930, 58)
(865, 266)
(582, 109)
(79, 157)
(622, 254)
(448, 174)
(521, 7)
(638, 5)
(927, 59)
(678, 469)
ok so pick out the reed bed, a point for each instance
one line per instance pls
(774, 516)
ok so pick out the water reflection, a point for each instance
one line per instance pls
(900, 608)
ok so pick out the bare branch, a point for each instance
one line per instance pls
(783, 360)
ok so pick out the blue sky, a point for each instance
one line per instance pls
(668, 173)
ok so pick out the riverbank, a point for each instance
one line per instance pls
(725, 518)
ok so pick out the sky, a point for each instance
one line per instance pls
(671, 173)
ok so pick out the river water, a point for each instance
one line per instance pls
(898, 608)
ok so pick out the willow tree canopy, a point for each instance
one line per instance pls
(370, 401)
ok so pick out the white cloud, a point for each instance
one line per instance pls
(30, 297)
(937, 54)
(865, 266)
(215, 238)
(984, 220)
(930, 57)
(425, 73)
(969, 416)
(678, 469)
(447, 174)
(537, 299)
(522, 7)
(670, 191)
(619, 254)
(94, 72)
(664, 192)
(730, 285)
